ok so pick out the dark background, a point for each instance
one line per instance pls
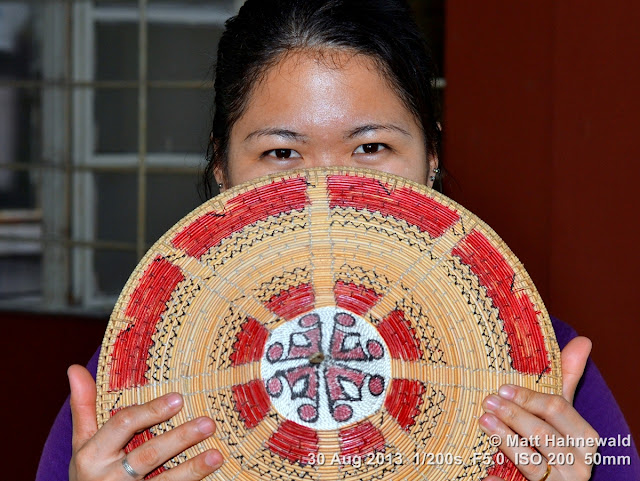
(541, 141)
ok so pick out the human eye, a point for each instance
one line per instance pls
(282, 154)
(372, 148)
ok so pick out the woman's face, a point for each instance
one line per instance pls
(310, 111)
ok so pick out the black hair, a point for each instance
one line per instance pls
(266, 30)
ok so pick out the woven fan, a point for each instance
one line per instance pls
(336, 324)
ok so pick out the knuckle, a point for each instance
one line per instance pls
(148, 456)
(591, 433)
(80, 459)
(542, 432)
(186, 433)
(523, 397)
(558, 404)
(82, 463)
(125, 420)
(507, 412)
(156, 408)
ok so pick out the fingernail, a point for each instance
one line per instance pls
(213, 459)
(205, 426)
(489, 422)
(492, 403)
(507, 392)
(174, 400)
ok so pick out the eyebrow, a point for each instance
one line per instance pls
(284, 133)
(365, 129)
(291, 135)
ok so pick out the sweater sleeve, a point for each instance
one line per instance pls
(596, 404)
(56, 455)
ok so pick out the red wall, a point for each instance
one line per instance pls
(542, 141)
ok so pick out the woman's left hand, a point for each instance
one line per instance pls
(540, 417)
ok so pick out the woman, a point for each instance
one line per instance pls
(310, 83)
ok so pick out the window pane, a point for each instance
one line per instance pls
(21, 261)
(116, 51)
(20, 129)
(169, 198)
(116, 212)
(178, 120)
(112, 268)
(25, 279)
(182, 52)
(116, 118)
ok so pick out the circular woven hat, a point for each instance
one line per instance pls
(336, 324)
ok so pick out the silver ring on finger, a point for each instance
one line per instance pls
(130, 471)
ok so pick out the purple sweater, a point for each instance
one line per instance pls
(593, 401)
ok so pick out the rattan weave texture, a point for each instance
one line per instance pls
(336, 324)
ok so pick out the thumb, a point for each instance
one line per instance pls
(83, 405)
(574, 359)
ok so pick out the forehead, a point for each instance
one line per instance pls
(327, 87)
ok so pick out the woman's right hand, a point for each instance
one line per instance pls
(98, 453)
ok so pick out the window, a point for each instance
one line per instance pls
(104, 118)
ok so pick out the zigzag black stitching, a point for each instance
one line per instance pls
(370, 277)
(475, 299)
(220, 352)
(248, 237)
(422, 431)
(420, 321)
(471, 470)
(277, 284)
(360, 220)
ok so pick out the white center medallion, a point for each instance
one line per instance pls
(326, 369)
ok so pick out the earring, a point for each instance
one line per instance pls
(436, 171)
(432, 178)
(220, 186)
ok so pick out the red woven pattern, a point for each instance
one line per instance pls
(526, 342)
(404, 400)
(294, 442)
(252, 402)
(292, 302)
(354, 298)
(145, 307)
(400, 337)
(249, 345)
(247, 208)
(361, 440)
(426, 213)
